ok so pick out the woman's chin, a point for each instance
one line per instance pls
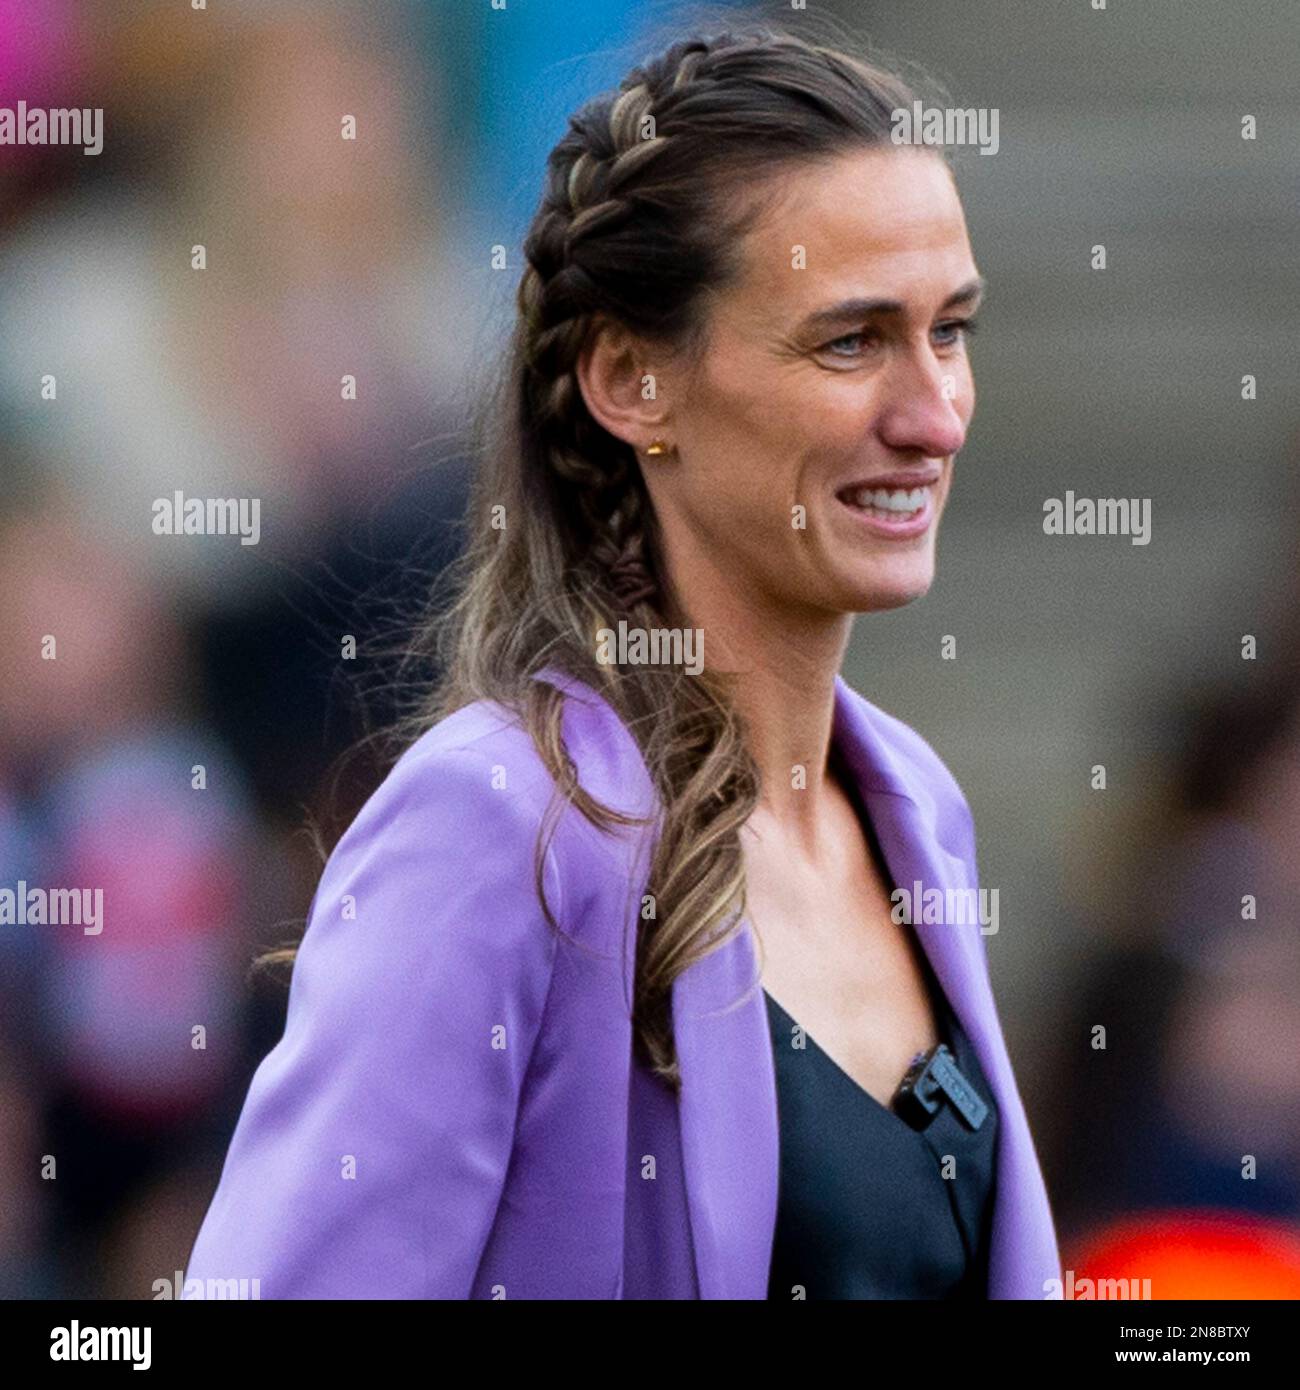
(884, 589)
(884, 600)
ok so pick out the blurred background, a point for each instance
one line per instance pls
(1120, 909)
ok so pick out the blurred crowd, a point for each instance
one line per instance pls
(1171, 1134)
(173, 709)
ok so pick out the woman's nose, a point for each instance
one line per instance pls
(927, 409)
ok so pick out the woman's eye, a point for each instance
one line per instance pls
(845, 346)
(948, 334)
(954, 331)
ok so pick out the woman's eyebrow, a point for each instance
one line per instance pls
(852, 310)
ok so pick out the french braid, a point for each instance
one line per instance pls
(588, 197)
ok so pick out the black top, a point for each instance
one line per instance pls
(863, 1208)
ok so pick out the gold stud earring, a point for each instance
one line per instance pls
(656, 447)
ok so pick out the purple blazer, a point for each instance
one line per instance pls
(454, 1110)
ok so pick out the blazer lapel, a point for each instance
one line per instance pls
(727, 1106)
(727, 1111)
(925, 838)
(919, 844)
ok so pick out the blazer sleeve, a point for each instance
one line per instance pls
(372, 1148)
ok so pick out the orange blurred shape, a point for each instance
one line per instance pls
(1196, 1254)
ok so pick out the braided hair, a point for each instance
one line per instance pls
(589, 197)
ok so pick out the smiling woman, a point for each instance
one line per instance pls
(840, 375)
(528, 1052)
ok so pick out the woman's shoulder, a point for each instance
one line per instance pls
(473, 790)
(485, 748)
(440, 869)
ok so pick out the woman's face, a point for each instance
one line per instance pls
(822, 388)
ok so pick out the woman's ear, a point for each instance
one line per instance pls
(620, 389)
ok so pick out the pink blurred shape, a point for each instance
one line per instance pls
(41, 48)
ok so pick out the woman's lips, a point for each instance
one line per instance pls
(898, 521)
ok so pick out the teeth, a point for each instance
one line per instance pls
(886, 501)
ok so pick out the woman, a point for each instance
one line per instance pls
(551, 1028)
